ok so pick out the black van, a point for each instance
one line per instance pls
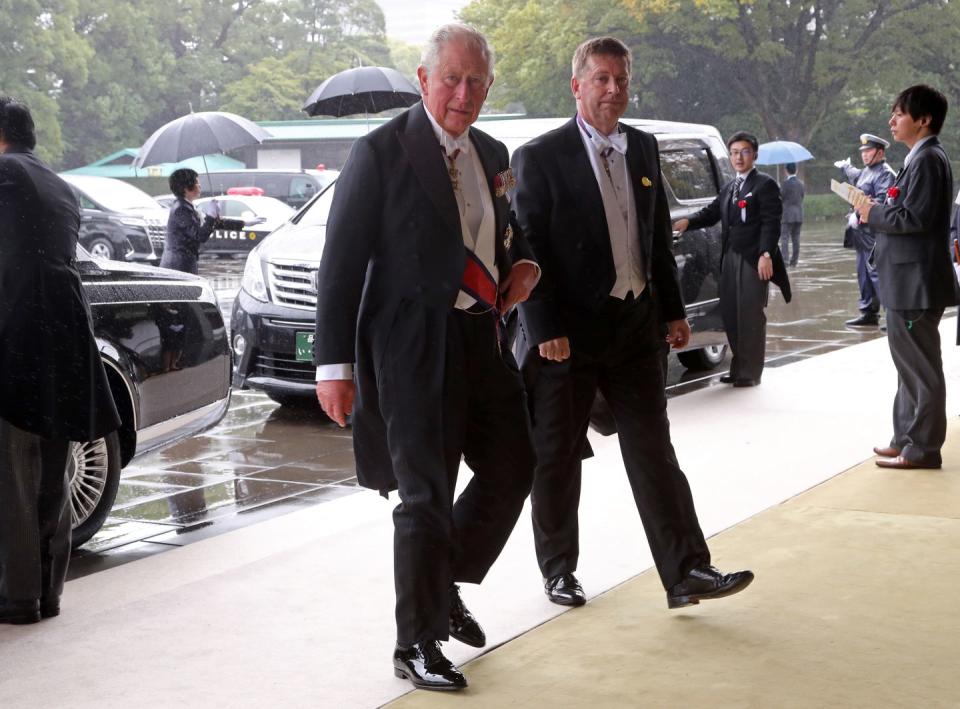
(295, 187)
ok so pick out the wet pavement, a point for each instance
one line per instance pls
(262, 460)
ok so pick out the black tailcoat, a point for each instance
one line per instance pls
(52, 381)
(391, 270)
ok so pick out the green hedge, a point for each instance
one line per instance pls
(819, 207)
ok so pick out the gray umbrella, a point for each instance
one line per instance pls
(366, 89)
(195, 134)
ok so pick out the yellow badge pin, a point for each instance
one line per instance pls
(645, 181)
(508, 237)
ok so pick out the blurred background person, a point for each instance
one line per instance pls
(53, 388)
(186, 227)
(791, 192)
(874, 178)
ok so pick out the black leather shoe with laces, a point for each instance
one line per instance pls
(463, 626)
(705, 582)
(564, 590)
(426, 667)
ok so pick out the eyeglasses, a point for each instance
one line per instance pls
(746, 152)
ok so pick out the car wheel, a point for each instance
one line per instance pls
(93, 470)
(295, 401)
(706, 358)
(101, 248)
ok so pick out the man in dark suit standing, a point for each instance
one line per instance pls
(749, 211)
(917, 280)
(791, 192)
(421, 255)
(53, 389)
(590, 199)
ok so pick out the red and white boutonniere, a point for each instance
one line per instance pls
(893, 193)
(742, 203)
(503, 182)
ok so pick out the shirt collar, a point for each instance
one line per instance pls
(616, 140)
(447, 141)
(744, 175)
(916, 146)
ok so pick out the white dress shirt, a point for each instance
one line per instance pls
(915, 148)
(619, 207)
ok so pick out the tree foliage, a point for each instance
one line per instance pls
(816, 71)
(100, 75)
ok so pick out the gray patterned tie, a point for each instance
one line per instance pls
(736, 188)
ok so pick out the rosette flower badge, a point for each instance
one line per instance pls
(743, 207)
(892, 194)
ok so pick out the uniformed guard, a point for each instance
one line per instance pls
(874, 178)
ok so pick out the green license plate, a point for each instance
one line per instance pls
(305, 346)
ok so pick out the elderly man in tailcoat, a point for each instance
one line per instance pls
(53, 388)
(421, 254)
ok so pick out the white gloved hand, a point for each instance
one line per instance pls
(842, 163)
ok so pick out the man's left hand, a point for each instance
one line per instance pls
(518, 284)
(863, 210)
(678, 333)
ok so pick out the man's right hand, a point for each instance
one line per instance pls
(681, 225)
(336, 399)
(842, 163)
(556, 350)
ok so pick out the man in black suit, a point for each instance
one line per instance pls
(590, 199)
(917, 280)
(791, 191)
(749, 210)
(421, 255)
(53, 389)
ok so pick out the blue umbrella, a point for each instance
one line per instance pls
(780, 152)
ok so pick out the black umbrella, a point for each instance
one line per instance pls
(199, 134)
(366, 89)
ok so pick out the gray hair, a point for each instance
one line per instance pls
(608, 46)
(454, 32)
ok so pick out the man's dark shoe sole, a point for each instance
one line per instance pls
(744, 579)
(402, 674)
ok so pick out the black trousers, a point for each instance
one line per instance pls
(743, 297)
(790, 234)
(628, 371)
(484, 421)
(920, 406)
(35, 522)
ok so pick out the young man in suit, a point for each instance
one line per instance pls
(917, 279)
(791, 192)
(590, 199)
(421, 255)
(53, 388)
(749, 210)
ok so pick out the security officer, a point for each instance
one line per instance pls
(874, 179)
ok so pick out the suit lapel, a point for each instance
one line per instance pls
(489, 162)
(638, 164)
(425, 156)
(726, 197)
(575, 166)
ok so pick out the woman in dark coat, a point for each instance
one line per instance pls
(186, 227)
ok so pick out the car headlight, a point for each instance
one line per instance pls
(134, 221)
(253, 282)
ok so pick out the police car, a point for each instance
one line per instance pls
(261, 214)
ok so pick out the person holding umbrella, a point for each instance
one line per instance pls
(186, 229)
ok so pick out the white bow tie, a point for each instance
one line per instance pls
(617, 141)
(451, 144)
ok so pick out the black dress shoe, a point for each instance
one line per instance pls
(20, 612)
(49, 607)
(705, 582)
(564, 590)
(463, 626)
(727, 379)
(867, 319)
(745, 382)
(426, 667)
